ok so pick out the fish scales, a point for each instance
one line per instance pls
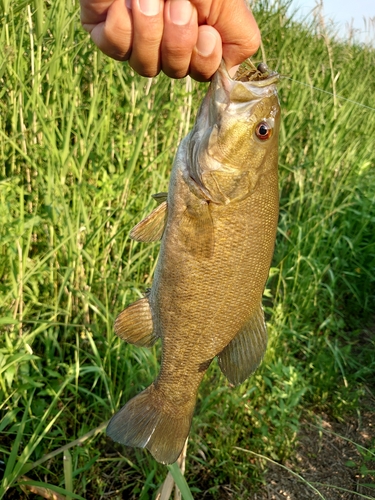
(217, 227)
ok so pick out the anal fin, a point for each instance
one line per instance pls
(242, 356)
(134, 324)
(152, 227)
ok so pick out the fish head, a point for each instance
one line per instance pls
(235, 137)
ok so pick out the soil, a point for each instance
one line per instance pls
(328, 459)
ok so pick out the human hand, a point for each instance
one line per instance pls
(179, 37)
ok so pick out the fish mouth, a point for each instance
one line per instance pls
(259, 76)
(249, 84)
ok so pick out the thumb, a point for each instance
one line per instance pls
(237, 27)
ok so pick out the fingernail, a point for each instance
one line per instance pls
(206, 43)
(180, 11)
(128, 4)
(149, 7)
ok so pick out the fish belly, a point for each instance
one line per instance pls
(199, 305)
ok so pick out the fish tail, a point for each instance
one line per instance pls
(144, 423)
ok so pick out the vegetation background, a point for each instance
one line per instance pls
(83, 145)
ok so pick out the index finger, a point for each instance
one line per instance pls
(114, 34)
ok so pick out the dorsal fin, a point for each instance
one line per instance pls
(160, 197)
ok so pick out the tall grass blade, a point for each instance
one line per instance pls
(68, 472)
(180, 481)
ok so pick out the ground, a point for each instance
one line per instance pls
(328, 460)
(336, 458)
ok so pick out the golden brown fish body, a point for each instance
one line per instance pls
(218, 228)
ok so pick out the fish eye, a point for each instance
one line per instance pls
(263, 131)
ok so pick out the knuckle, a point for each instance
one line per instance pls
(148, 71)
(117, 37)
(176, 55)
(149, 34)
(175, 73)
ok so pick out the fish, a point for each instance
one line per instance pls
(217, 225)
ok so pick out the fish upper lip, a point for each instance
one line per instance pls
(272, 78)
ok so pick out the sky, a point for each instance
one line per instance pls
(343, 12)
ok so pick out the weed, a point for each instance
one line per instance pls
(83, 144)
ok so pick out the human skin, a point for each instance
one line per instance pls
(178, 37)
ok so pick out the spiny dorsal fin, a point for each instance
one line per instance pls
(242, 356)
(134, 324)
(197, 230)
(152, 227)
(160, 197)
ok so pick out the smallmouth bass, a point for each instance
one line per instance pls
(217, 226)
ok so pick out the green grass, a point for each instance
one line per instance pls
(83, 145)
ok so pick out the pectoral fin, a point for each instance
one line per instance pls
(134, 324)
(197, 230)
(152, 227)
(242, 356)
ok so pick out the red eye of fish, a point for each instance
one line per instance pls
(263, 131)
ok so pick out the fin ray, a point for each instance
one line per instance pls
(152, 227)
(242, 356)
(160, 197)
(134, 324)
(141, 423)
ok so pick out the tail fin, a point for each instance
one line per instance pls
(142, 423)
